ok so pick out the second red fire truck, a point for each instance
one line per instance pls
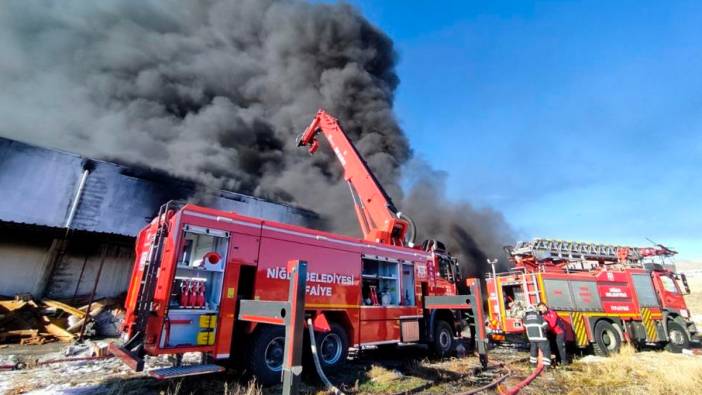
(605, 294)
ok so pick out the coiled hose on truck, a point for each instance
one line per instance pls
(318, 365)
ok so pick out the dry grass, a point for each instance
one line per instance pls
(233, 388)
(382, 375)
(381, 380)
(633, 372)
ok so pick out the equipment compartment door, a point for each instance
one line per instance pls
(388, 294)
(196, 290)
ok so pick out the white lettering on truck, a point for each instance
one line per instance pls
(616, 293)
(281, 273)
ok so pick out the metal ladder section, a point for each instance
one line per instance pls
(132, 351)
(573, 250)
(534, 288)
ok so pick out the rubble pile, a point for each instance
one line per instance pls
(28, 322)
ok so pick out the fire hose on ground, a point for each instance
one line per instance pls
(534, 374)
(493, 383)
(317, 365)
(511, 391)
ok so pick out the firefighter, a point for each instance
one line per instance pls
(557, 328)
(536, 328)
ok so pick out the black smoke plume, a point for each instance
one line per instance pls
(216, 92)
(473, 235)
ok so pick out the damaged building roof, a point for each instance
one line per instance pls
(39, 186)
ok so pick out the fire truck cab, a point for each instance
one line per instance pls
(605, 294)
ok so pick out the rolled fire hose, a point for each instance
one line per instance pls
(317, 365)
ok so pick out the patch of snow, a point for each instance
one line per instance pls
(592, 359)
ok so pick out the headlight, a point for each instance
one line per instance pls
(685, 313)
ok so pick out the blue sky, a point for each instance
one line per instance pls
(578, 120)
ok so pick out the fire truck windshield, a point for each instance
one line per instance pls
(669, 285)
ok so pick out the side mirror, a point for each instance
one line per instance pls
(683, 278)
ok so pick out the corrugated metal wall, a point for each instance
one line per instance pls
(24, 262)
(38, 187)
(22, 265)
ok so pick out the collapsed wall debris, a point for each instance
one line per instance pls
(29, 322)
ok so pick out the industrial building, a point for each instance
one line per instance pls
(64, 216)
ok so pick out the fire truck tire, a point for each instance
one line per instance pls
(678, 339)
(332, 346)
(266, 358)
(443, 339)
(607, 339)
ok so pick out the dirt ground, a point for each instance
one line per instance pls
(384, 371)
(391, 370)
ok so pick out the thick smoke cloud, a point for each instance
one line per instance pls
(472, 234)
(214, 91)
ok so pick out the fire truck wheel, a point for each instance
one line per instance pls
(332, 346)
(678, 338)
(443, 339)
(607, 339)
(267, 350)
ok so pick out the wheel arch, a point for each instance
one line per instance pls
(256, 364)
(615, 321)
(342, 318)
(601, 348)
(671, 316)
(440, 315)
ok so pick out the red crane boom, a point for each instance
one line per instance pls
(379, 219)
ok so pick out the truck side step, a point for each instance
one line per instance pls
(182, 371)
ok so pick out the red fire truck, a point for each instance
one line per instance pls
(194, 265)
(605, 294)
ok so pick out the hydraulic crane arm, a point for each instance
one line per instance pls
(378, 218)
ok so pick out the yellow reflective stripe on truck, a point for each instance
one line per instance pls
(500, 301)
(578, 322)
(648, 323)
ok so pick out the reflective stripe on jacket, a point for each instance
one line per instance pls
(535, 326)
